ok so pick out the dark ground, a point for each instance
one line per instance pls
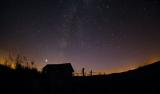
(144, 80)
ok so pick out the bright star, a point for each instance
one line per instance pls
(46, 60)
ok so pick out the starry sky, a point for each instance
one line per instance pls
(102, 35)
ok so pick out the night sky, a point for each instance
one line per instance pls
(102, 35)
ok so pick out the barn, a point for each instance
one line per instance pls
(58, 70)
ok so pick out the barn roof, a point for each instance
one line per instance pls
(59, 67)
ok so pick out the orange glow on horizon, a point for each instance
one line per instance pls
(118, 69)
(13, 66)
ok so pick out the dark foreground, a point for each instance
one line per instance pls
(144, 80)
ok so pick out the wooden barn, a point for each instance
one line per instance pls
(58, 70)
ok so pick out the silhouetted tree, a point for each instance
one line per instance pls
(22, 61)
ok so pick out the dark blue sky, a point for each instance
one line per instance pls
(103, 35)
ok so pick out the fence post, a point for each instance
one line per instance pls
(83, 71)
(91, 73)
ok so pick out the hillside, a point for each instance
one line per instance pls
(147, 72)
(144, 80)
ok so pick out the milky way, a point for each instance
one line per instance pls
(102, 35)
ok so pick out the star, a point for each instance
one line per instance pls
(46, 60)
